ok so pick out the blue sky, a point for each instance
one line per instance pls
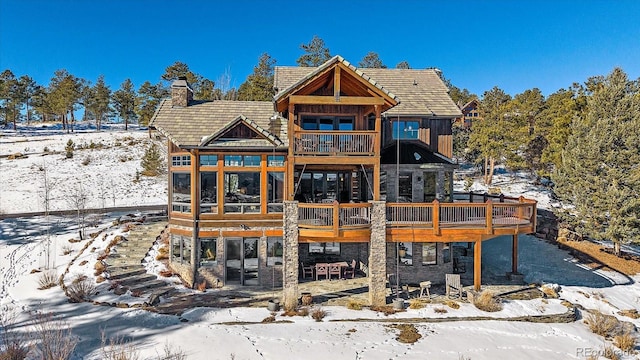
(515, 45)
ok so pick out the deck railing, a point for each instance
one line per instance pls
(311, 142)
(334, 217)
(489, 215)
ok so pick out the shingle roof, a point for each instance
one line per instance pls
(420, 91)
(316, 70)
(190, 126)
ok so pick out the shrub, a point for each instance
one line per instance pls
(625, 342)
(53, 338)
(66, 250)
(151, 161)
(47, 279)
(452, 304)
(303, 312)
(416, 304)
(269, 319)
(86, 161)
(318, 314)
(386, 309)
(601, 324)
(13, 344)
(80, 291)
(202, 286)
(69, 149)
(440, 310)
(408, 333)
(354, 305)
(166, 273)
(487, 302)
(610, 353)
(117, 349)
(136, 293)
(163, 253)
(100, 279)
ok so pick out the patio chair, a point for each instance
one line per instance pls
(397, 288)
(306, 270)
(334, 269)
(453, 286)
(322, 269)
(350, 271)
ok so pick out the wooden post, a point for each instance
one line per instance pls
(376, 180)
(336, 218)
(489, 216)
(477, 265)
(514, 254)
(436, 216)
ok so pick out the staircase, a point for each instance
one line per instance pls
(125, 265)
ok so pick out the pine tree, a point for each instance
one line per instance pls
(316, 53)
(68, 149)
(372, 60)
(65, 90)
(98, 101)
(599, 175)
(259, 85)
(124, 100)
(148, 99)
(403, 65)
(554, 125)
(151, 161)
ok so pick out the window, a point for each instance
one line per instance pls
(208, 251)
(446, 252)
(429, 254)
(208, 192)
(274, 251)
(181, 194)
(242, 192)
(208, 160)
(275, 160)
(405, 252)
(327, 122)
(276, 191)
(330, 248)
(405, 187)
(405, 129)
(180, 249)
(182, 160)
(242, 160)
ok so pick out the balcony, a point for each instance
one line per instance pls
(334, 143)
(458, 221)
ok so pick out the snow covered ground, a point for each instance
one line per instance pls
(206, 333)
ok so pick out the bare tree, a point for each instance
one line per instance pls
(77, 199)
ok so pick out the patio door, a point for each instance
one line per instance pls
(322, 186)
(241, 261)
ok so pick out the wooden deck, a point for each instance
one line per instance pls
(410, 222)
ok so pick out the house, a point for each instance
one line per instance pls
(470, 113)
(344, 164)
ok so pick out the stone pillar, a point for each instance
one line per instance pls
(290, 258)
(440, 185)
(378, 254)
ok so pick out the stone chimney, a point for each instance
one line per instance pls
(275, 124)
(181, 93)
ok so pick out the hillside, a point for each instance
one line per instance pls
(103, 168)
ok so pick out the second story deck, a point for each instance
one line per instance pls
(479, 218)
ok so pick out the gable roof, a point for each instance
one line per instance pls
(420, 91)
(327, 65)
(264, 134)
(201, 121)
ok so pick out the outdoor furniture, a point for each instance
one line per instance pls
(350, 271)
(306, 270)
(335, 269)
(322, 269)
(453, 287)
(397, 288)
(424, 287)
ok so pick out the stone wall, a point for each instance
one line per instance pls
(547, 225)
(290, 255)
(184, 271)
(415, 273)
(377, 254)
(270, 276)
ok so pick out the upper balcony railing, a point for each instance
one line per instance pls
(312, 142)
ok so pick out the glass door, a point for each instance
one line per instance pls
(242, 261)
(250, 262)
(233, 261)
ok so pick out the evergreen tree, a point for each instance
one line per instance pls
(372, 60)
(29, 88)
(526, 148)
(316, 53)
(68, 149)
(98, 101)
(10, 99)
(148, 99)
(259, 85)
(554, 125)
(65, 91)
(489, 135)
(403, 65)
(152, 161)
(599, 174)
(124, 102)
(202, 87)
(205, 91)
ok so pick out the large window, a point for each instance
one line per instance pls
(181, 192)
(327, 122)
(208, 192)
(208, 251)
(242, 192)
(276, 191)
(329, 248)
(242, 160)
(405, 187)
(405, 129)
(405, 253)
(208, 160)
(274, 251)
(429, 254)
(181, 160)
(275, 160)
(181, 249)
